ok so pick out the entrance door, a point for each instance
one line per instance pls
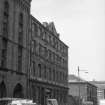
(18, 91)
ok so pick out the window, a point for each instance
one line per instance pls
(21, 18)
(49, 55)
(4, 53)
(53, 75)
(32, 47)
(49, 73)
(40, 32)
(45, 75)
(59, 46)
(52, 42)
(6, 6)
(47, 37)
(55, 58)
(39, 70)
(45, 52)
(43, 34)
(56, 75)
(50, 39)
(40, 49)
(35, 46)
(19, 59)
(36, 29)
(33, 30)
(34, 69)
(20, 34)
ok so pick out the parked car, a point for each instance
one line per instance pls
(52, 102)
(16, 101)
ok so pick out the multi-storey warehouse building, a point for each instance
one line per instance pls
(49, 63)
(33, 59)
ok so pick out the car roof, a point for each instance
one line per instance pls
(10, 99)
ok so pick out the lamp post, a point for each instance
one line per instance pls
(79, 83)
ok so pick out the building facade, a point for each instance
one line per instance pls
(100, 89)
(82, 89)
(14, 20)
(33, 59)
(49, 63)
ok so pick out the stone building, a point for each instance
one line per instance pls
(33, 59)
(100, 89)
(14, 26)
(82, 89)
(49, 63)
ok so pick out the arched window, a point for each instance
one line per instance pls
(18, 91)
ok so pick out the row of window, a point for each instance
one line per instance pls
(6, 19)
(6, 23)
(4, 53)
(46, 53)
(5, 38)
(48, 73)
(39, 31)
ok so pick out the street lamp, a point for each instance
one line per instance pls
(79, 81)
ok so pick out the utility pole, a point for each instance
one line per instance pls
(79, 86)
(79, 83)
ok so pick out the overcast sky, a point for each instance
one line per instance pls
(81, 24)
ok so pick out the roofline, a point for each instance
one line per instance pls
(84, 82)
(98, 82)
(48, 30)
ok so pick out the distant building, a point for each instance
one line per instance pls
(82, 89)
(100, 89)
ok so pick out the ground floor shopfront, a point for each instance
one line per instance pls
(13, 84)
(40, 91)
